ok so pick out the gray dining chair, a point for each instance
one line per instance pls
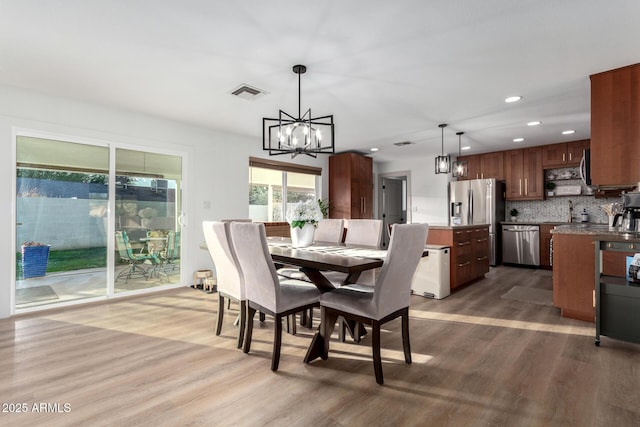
(329, 230)
(265, 290)
(387, 300)
(230, 282)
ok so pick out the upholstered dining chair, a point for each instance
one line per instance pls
(329, 231)
(387, 300)
(265, 291)
(230, 282)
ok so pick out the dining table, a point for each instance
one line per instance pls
(320, 257)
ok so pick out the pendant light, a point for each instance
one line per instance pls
(460, 167)
(443, 163)
(298, 135)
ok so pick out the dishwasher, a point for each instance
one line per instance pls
(521, 244)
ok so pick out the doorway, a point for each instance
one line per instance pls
(393, 201)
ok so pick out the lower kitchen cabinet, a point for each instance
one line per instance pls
(469, 251)
(573, 273)
(545, 245)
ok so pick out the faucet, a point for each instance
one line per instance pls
(570, 211)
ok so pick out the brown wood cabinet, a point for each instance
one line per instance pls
(574, 270)
(524, 174)
(350, 186)
(564, 154)
(485, 166)
(615, 127)
(545, 245)
(469, 252)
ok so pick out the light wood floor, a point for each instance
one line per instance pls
(478, 360)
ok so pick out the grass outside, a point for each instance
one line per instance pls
(70, 260)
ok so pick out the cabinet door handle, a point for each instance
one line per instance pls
(526, 186)
(464, 243)
(464, 264)
(482, 175)
(564, 157)
(520, 185)
(482, 258)
(570, 156)
(481, 240)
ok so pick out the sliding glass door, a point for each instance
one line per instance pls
(93, 220)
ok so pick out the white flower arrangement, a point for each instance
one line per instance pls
(304, 213)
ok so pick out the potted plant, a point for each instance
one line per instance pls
(303, 218)
(35, 257)
(550, 186)
(514, 214)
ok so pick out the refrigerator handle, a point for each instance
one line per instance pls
(470, 213)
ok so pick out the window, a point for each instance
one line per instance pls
(275, 185)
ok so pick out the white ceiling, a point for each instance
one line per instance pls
(388, 71)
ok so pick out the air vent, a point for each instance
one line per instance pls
(245, 91)
(403, 143)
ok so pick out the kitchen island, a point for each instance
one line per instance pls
(469, 251)
(574, 266)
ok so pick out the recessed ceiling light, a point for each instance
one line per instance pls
(465, 148)
(536, 123)
(568, 132)
(374, 149)
(518, 139)
(513, 99)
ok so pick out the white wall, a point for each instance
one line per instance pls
(429, 192)
(217, 163)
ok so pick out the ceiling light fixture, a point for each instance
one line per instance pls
(535, 123)
(460, 167)
(302, 135)
(518, 139)
(466, 147)
(374, 149)
(513, 99)
(443, 163)
(568, 132)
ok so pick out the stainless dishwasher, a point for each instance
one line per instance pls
(521, 244)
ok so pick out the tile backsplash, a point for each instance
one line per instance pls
(556, 208)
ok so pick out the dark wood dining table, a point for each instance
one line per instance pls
(314, 260)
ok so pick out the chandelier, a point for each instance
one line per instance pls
(443, 163)
(460, 167)
(302, 135)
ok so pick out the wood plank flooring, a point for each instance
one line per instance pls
(478, 360)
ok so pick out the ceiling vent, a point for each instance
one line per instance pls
(245, 91)
(403, 143)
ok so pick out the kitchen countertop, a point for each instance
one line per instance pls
(456, 227)
(598, 231)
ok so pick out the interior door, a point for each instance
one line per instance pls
(392, 205)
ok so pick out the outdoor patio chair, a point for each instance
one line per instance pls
(135, 260)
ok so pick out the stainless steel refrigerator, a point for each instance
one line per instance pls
(479, 201)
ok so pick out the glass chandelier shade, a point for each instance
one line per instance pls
(443, 163)
(298, 135)
(460, 167)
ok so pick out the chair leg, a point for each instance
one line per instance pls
(406, 344)
(375, 345)
(291, 324)
(277, 341)
(220, 314)
(251, 312)
(243, 322)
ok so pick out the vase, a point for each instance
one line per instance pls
(302, 237)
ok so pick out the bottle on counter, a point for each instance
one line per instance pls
(584, 216)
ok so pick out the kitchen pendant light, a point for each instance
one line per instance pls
(302, 135)
(443, 163)
(460, 167)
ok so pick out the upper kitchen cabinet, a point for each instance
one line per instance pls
(565, 154)
(524, 174)
(615, 127)
(350, 186)
(485, 166)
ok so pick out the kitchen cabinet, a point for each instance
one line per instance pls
(564, 154)
(485, 166)
(350, 186)
(469, 251)
(615, 127)
(524, 174)
(545, 245)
